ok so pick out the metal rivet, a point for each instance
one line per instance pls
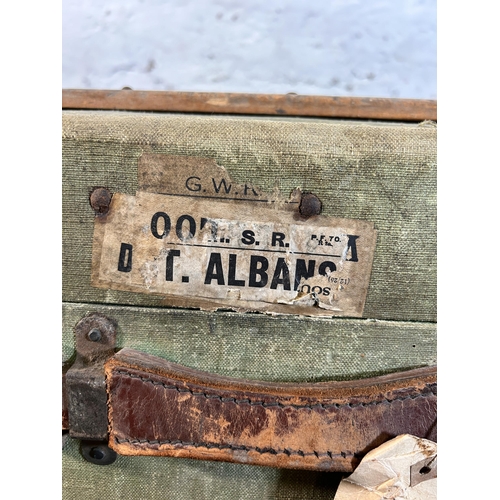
(95, 335)
(100, 198)
(97, 452)
(310, 205)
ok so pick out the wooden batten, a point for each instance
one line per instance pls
(367, 108)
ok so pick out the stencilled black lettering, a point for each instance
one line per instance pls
(214, 270)
(326, 267)
(125, 258)
(231, 279)
(192, 185)
(278, 238)
(165, 221)
(247, 188)
(227, 188)
(258, 268)
(351, 245)
(248, 237)
(182, 234)
(281, 275)
(169, 273)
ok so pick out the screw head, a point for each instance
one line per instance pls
(100, 198)
(94, 335)
(310, 205)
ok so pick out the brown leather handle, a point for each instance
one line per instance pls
(161, 408)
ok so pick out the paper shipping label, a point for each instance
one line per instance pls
(240, 255)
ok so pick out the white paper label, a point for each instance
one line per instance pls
(241, 255)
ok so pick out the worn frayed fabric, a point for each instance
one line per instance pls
(160, 478)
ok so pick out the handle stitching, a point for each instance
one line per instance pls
(432, 388)
(273, 451)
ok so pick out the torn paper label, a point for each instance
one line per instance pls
(247, 256)
(196, 177)
(404, 468)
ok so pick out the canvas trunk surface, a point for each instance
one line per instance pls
(382, 175)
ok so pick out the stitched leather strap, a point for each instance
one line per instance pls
(160, 408)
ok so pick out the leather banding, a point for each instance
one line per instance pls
(161, 408)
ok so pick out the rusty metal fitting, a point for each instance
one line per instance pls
(100, 199)
(310, 205)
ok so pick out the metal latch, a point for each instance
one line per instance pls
(85, 386)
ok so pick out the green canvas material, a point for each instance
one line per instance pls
(384, 173)
(160, 478)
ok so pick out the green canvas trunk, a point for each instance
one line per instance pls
(379, 172)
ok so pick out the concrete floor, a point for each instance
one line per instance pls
(377, 48)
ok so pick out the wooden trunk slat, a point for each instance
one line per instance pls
(249, 104)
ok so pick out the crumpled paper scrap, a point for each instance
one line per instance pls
(404, 468)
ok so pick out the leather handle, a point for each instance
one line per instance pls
(161, 408)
